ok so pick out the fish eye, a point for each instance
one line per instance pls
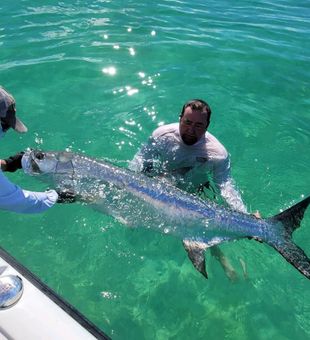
(39, 155)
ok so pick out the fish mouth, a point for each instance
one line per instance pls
(36, 155)
(34, 166)
(29, 164)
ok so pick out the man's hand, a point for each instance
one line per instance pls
(66, 196)
(12, 163)
(257, 214)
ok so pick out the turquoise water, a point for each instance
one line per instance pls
(98, 77)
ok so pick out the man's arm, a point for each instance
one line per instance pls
(13, 198)
(147, 159)
(232, 195)
(225, 184)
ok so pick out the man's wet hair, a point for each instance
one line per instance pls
(199, 105)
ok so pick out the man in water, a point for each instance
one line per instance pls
(12, 197)
(193, 159)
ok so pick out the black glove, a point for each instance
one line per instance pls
(66, 196)
(14, 163)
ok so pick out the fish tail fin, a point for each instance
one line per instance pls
(291, 219)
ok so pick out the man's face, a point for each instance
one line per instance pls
(193, 125)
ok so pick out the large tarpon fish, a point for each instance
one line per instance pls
(139, 201)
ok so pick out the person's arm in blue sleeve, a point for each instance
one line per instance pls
(13, 198)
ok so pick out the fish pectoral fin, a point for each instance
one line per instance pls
(195, 251)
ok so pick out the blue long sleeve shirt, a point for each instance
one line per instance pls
(13, 198)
